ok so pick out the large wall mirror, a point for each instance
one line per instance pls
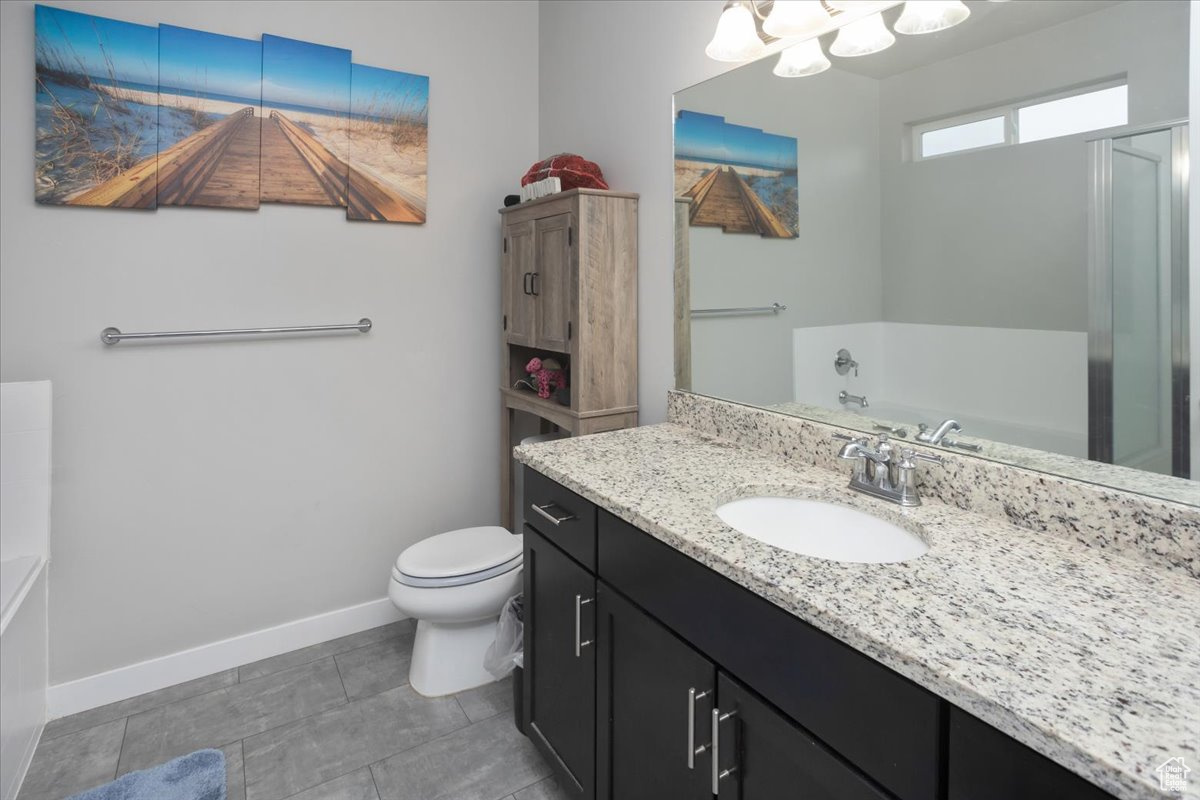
(976, 238)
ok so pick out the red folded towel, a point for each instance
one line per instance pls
(575, 172)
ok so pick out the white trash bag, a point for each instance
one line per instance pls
(509, 647)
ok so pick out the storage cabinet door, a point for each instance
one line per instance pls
(654, 698)
(762, 755)
(560, 664)
(518, 283)
(552, 282)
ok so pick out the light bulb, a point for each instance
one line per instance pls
(929, 16)
(862, 37)
(802, 60)
(736, 38)
(792, 18)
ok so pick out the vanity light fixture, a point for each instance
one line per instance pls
(930, 16)
(862, 37)
(802, 60)
(737, 37)
(796, 18)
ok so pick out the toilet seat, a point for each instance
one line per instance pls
(459, 558)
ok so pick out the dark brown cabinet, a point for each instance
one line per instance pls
(654, 698)
(560, 663)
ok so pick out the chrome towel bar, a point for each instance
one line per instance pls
(774, 308)
(114, 335)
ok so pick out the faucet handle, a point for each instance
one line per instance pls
(845, 437)
(910, 456)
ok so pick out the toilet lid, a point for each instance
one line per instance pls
(461, 552)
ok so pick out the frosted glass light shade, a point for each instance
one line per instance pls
(736, 38)
(802, 60)
(929, 16)
(792, 18)
(846, 5)
(862, 37)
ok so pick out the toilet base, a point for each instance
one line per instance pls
(447, 657)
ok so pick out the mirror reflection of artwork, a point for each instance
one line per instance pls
(96, 110)
(388, 145)
(306, 102)
(738, 178)
(209, 96)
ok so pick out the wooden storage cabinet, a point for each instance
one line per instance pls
(569, 291)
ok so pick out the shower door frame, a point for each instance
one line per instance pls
(1100, 299)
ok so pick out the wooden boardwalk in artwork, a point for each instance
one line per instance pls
(723, 199)
(220, 166)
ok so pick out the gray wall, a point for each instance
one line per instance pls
(209, 489)
(831, 273)
(999, 237)
(607, 74)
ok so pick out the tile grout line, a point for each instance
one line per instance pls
(245, 784)
(375, 783)
(121, 749)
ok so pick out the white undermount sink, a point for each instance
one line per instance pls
(822, 530)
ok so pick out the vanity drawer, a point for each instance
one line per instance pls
(881, 722)
(561, 516)
(986, 764)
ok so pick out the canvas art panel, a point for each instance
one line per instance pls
(305, 105)
(389, 145)
(96, 110)
(209, 97)
(738, 178)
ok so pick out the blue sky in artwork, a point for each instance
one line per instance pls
(209, 63)
(305, 74)
(83, 41)
(374, 91)
(706, 137)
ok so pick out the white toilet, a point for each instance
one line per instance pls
(454, 584)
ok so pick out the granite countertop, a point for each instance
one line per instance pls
(1090, 657)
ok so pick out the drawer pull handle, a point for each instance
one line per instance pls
(567, 516)
(693, 750)
(580, 602)
(719, 774)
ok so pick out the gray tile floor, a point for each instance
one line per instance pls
(335, 721)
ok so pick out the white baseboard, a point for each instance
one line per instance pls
(68, 698)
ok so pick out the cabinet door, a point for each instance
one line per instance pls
(552, 284)
(518, 282)
(762, 755)
(560, 664)
(654, 698)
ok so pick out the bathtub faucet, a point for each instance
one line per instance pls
(935, 436)
(845, 397)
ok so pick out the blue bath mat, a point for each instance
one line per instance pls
(196, 776)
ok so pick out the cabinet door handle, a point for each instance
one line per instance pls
(533, 284)
(580, 602)
(525, 282)
(556, 521)
(692, 750)
(719, 774)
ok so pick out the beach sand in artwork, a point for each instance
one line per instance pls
(688, 172)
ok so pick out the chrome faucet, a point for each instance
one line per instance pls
(879, 473)
(935, 436)
(845, 397)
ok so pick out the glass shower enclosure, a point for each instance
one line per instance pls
(1138, 351)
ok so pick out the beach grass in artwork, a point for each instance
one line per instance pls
(96, 110)
(209, 99)
(738, 178)
(305, 106)
(388, 145)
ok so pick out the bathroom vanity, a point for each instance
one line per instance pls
(668, 656)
